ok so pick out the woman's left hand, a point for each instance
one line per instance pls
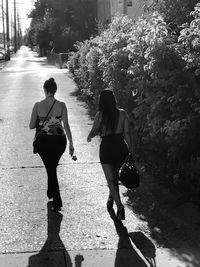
(71, 149)
(132, 153)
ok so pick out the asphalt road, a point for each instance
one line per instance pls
(26, 224)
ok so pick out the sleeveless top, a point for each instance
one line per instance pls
(52, 126)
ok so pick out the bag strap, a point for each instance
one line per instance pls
(48, 114)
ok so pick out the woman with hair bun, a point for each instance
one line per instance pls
(112, 124)
(53, 128)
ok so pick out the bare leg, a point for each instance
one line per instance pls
(112, 180)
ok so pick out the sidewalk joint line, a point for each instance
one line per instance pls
(41, 167)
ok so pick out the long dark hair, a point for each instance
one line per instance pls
(108, 108)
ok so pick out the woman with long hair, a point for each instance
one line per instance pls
(112, 124)
(51, 116)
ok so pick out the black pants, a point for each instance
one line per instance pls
(51, 149)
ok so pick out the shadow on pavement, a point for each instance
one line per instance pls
(54, 253)
(126, 254)
(180, 236)
(146, 247)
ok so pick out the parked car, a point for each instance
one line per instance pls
(2, 54)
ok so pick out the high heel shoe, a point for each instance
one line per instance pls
(110, 203)
(121, 213)
(49, 195)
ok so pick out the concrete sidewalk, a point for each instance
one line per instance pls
(133, 250)
(83, 234)
(87, 258)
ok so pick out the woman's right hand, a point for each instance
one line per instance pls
(89, 139)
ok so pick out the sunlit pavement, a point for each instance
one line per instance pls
(83, 234)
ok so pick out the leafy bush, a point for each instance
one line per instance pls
(144, 57)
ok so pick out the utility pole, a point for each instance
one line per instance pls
(19, 42)
(15, 28)
(11, 31)
(3, 23)
(7, 31)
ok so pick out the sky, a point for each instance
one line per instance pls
(23, 7)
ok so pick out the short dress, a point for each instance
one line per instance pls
(113, 149)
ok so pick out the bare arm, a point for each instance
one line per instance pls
(34, 117)
(95, 128)
(67, 129)
(127, 133)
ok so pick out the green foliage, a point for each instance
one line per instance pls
(176, 11)
(144, 57)
(190, 39)
(84, 66)
(61, 23)
(113, 61)
(81, 16)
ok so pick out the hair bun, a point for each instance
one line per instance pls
(51, 80)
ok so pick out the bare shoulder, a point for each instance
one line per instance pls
(36, 105)
(61, 104)
(122, 112)
(40, 103)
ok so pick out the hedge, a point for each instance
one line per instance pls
(155, 76)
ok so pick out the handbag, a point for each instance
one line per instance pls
(128, 173)
(38, 134)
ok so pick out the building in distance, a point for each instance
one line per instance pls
(107, 9)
